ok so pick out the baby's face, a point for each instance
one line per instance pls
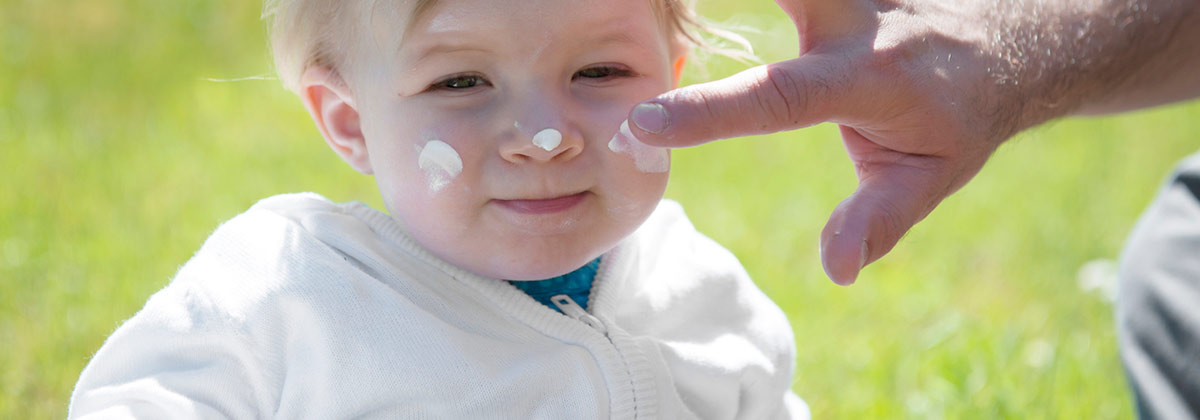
(488, 129)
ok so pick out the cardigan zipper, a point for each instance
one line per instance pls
(573, 310)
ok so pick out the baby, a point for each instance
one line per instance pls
(527, 266)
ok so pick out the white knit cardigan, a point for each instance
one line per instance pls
(303, 308)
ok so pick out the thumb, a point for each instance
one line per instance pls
(891, 198)
(765, 99)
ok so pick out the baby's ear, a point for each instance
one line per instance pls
(677, 73)
(331, 105)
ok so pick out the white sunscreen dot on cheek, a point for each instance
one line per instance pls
(547, 139)
(440, 163)
(647, 158)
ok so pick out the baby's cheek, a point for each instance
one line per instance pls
(436, 220)
(635, 195)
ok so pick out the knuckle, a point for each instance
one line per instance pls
(782, 96)
(901, 67)
(893, 221)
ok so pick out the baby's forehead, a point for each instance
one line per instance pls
(393, 24)
(401, 15)
(392, 14)
(339, 33)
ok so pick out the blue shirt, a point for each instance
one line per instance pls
(576, 284)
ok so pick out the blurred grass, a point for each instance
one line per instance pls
(121, 156)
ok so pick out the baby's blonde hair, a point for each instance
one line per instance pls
(307, 33)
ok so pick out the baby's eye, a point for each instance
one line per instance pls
(603, 72)
(460, 81)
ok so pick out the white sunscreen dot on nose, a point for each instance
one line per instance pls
(547, 139)
(440, 163)
(647, 158)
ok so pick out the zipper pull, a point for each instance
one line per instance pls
(573, 310)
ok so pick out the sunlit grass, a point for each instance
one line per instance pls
(121, 157)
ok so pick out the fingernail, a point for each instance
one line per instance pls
(863, 261)
(651, 117)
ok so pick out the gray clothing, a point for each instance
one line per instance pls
(1158, 303)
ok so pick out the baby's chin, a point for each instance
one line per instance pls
(539, 270)
(528, 266)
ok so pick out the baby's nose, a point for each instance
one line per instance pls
(546, 145)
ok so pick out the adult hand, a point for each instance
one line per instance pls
(925, 90)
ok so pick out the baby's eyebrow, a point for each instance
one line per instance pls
(618, 36)
(611, 37)
(446, 48)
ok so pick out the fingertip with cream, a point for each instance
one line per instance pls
(646, 158)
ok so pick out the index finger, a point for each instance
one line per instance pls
(775, 97)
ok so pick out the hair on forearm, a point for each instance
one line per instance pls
(1055, 57)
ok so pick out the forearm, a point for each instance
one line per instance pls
(1073, 57)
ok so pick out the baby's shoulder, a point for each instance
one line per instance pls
(669, 241)
(687, 287)
(677, 267)
(275, 248)
(294, 206)
(273, 233)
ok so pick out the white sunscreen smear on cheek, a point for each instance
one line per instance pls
(647, 158)
(547, 139)
(440, 163)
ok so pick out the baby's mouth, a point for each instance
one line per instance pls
(544, 205)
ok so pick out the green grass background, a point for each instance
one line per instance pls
(120, 156)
